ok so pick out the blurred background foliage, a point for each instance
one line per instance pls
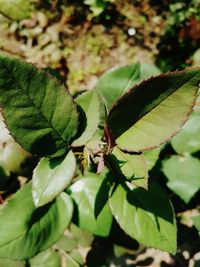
(84, 38)
(78, 40)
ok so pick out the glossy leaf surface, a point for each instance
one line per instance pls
(88, 194)
(153, 111)
(51, 177)
(39, 112)
(89, 103)
(146, 216)
(25, 231)
(183, 174)
(132, 166)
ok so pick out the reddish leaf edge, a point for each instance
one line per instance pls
(108, 134)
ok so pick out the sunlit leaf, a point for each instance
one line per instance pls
(83, 237)
(188, 140)
(38, 110)
(132, 166)
(10, 263)
(24, 230)
(51, 177)
(151, 157)
(66, 243)
(89, 104)
(76, 255)
(117, 81)
(146, 216)
(46, 258)
(70, 262)
(183, 174)
(153, 111)
(85, 193)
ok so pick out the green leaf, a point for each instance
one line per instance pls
(196, 220)
(151, 157)
(85, 193)
(46, 258)
(70, 262)
(15, 9)
(183, 174)
(188, 140)
(89, 104)
(25, 231)
(83, 237)
(116, 82)
(66, 243)
(153, 111)
(10, 263)
(51, 177)
(197, 104)
(132, 166)
(38, 111)
(76, 255)
(147, 70)
(146, 216)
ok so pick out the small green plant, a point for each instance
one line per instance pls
(97, 6)
(93, 151)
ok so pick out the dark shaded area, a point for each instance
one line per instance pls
(102, 196)
(103, 251)
(56, 74)
(38, 214)
(82, 122)
(174, 54)
(75, 217)
(181, 36)
(10, 186)
(153, 201)
(46, 145)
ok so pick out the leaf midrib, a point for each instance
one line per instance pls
(26, 92)
(151, 107)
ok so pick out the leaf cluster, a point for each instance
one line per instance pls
(95, 151)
